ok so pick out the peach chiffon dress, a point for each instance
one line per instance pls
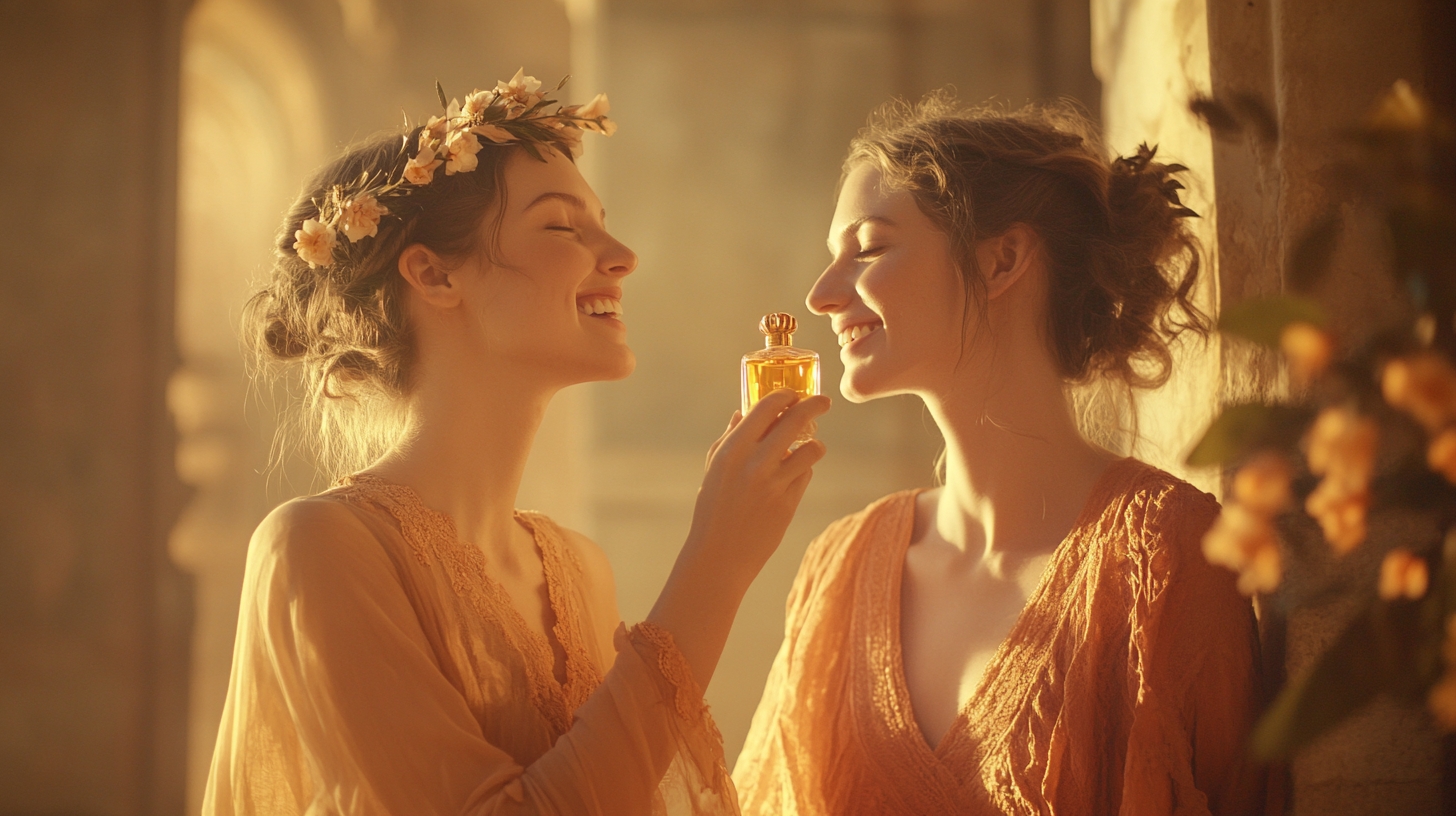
(379, 669)
(1127, 685)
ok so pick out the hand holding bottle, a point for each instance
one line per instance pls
(750, 492)
(754, 482)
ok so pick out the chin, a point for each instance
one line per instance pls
(858, 385)
(618, 366)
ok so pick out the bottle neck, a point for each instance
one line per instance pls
(778, 339)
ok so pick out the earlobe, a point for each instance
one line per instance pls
(424, 272)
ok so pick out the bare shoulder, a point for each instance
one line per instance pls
(309, 528)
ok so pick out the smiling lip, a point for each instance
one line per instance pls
(602, 304)
(849, 334)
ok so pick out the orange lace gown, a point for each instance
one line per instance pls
(1127, 685)
(379, 670)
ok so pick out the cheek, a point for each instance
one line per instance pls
(920, 300)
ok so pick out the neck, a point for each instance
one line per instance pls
(466, 447)
(1018, 472)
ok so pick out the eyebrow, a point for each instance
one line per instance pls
(854, 226)
(567, 198)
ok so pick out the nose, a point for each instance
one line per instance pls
(832, 291)
(616, 259)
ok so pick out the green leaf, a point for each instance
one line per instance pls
(531, 149)
(1240, 429)
(440, 92)
(1263, 320)
(1343, 680)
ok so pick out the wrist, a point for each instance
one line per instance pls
(720, 561)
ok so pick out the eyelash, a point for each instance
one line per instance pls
(562, 229)
(868, 253)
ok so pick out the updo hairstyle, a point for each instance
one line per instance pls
(345, 325)
(1122, 263)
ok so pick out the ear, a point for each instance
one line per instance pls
(1005, 259)
(428, 277)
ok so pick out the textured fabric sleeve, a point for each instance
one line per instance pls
(380, 730)
(1195, 650)
(774, 759)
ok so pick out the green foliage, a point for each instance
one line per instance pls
(1264, 319)
(1390, 648)
(1241, 429)
(1342, 681)
(1400, 166)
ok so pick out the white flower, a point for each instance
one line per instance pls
(594, 114)
(428, 139)
(421, 169)
(499, 135)
(460, 152)
(477, 102)
(315, 243)
(519, 94)
(359, 217)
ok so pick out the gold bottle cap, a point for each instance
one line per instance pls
(778, 328)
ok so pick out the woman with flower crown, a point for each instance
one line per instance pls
(408, 642)
(1041, 633)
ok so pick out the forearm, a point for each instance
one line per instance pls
(698, 604)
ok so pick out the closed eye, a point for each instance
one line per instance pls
(563, 229)
(870, 253)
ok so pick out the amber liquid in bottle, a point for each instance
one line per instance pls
(780, 365)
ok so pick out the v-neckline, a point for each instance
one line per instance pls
(524, 639)
(1091, 510)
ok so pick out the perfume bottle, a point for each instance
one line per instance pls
(779, 365)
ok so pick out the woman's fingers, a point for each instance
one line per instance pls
(803, 458)
(761, 416)
(795, 421)
(718, 443)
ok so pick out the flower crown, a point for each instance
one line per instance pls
(513, 112)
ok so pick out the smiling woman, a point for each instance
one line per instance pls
(408, 641)
(1041, 633)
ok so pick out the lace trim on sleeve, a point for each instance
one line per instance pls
(701, 738)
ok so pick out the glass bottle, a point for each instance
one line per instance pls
(779, 365)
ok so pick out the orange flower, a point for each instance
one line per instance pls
(1341, 514)
(1441, 455)
(1341, 448)
(1403, 575)
(1424, 386)
(1308, 350)
(1342, 443)
(1246, 543)
(1262, 484)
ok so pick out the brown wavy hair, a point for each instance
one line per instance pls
(1122, 262)
(345, 325)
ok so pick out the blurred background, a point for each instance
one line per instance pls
(153, 145)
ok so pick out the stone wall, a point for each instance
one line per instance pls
(94, 617)
(1316, 66)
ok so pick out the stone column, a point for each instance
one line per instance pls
(94, 616)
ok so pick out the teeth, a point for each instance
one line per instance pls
(853, 333)
(599, 305)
